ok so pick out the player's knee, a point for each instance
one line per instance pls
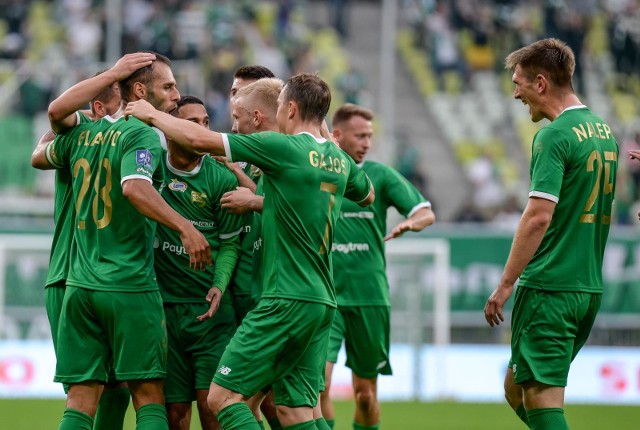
(365, 398)
(220, 397)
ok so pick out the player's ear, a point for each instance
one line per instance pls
(98, 109)
(140, 90)
(337, 134)
(257, 118)
(293, 109)
(541, 83)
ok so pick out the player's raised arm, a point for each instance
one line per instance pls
(62, 109)
(39, 156)
(183, 132)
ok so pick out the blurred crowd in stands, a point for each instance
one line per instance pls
(456, 42)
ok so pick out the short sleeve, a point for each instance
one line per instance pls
(264, 150)
(358, 183)
(549, 156)
(57, 152)
(401, 194)
(142, 154)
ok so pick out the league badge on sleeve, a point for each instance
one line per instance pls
(144, 158)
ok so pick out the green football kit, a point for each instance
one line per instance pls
(283, 340)
(195, 346)
(360, 276)
(243, 281)
(63, 218)
(112, 310)
(574, 163)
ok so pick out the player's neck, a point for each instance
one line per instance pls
(306, 127)
(558, 105)
(182, 160)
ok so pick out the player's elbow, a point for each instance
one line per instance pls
(369, 199)
(131, 189)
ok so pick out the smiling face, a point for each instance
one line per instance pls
(195, 113)
(526, 90)
(354, 137)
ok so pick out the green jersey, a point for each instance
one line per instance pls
(574, 163)
(255, 238)
(243, 275)
(63, 218)
(305, 180)
(359, 263)
(196, 196)
(113, 243)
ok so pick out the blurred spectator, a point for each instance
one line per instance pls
(443, 42)
(351, 84)
(339, 16)
(469, 213)
(508, 217)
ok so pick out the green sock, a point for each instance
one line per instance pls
(237, 416)
(322, 424)
(547, 419)
(152, 417)
(331, 423)
(357, 426)
(261, 424)
(75, 419)
(111, 409)
(307, 425)
(521, 412)
(275, 424)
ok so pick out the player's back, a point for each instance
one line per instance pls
(581, 150)
(113, 242)
(305, 179)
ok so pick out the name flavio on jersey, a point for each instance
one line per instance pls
(330, 164)
(110, 137)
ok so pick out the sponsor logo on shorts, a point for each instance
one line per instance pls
(381, 364)
(176, 185)
(144, 158)
(515, 368)
(257, 245)
(346, 248)
(224, 370)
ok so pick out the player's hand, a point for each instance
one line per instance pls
(129, 63)
(493, 309)
(214, 296)
(238, 201)
(197, 247)
(634, 154)
(141, 109)
(399, 230)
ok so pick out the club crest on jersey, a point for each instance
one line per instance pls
(176, 185)
(198, 199)
(144, 157)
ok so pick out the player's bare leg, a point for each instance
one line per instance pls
(148, 401)
(208, 420)
(367, 407)
(545, 406)
(179, 415)
(515, 396)
(230, 408)
(326, 402)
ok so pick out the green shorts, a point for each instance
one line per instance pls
(195, 347)
(100, 328)
(281, 342)
(366, 333)
(242, 304)
(53, 297)
(548, 330)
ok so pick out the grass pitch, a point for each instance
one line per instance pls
(45, 414)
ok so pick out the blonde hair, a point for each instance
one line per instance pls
(261, 95)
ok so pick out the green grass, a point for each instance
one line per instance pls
(45, 414)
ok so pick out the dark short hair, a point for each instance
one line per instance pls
(105, 96)
(547, 56)
(143, 75)
(189, 100)
(312, 95)
(348, 111)
(253, 73)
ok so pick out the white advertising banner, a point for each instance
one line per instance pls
(472, 373)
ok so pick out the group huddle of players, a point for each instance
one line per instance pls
(225, 269)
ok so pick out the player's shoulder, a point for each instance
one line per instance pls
(214, 168)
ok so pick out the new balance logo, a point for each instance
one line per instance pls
(381, 364)
(224, 370)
